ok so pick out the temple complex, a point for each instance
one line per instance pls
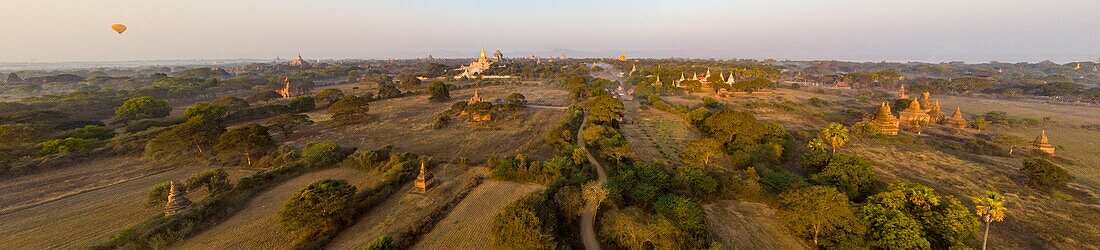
(1041, 143)
(935, 115)
(658, 82)
(956, 120)
(913, 114)
(285, 91)
(885, 121)
(424, 180)
(177, 201)
(299, 62)
(902, 94)
(479, 65)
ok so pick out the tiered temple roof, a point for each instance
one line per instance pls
(474, 99)
(424, 180)
(1041, 143)
(658, 82)
(926, 99)
(956, 120)
(885, 121)
(935, 115)
(902, 94)
(177, 201)
(913, 114)
(299, 62)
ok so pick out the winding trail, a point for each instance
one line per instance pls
(588, 219)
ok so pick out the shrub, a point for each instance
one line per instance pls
(232, 103)
(515, 101)
(142, 108)
(93, 132)
(1045, 174)
(382, 243)
(528, 223)
(349, 109)
(66, 146)
(782, 181)
(210, 111)
(15, 134)
(686, 215)
(158, 196)
(439, 91)
(215, 180)
(322, 154)
(321, 206)
(251, 140)
(440, 121)
(302, 103)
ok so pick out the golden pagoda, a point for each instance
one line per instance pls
(474, 99)
(622, 57)
(285, 91)
(885, 121)
(658, 82)
(424, 180)
(177, 201)
(902, 94)
(913, 114)
(926, 99)
(1041, 143)
(935, 115)
(956, 120)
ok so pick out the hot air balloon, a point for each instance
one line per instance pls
(118, 27)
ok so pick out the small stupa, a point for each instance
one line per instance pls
(913, 113)
(902, 94)
(1041, 143)
(885, 121)
(474, 99)
(956, 120)
(177, 201)
(935, 115)
(285, 91)
(424, 180)
(926, 99)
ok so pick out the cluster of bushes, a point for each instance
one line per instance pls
(319, 212)
(529, 223)
(602, 132)
(905, 216)
(164, 231)
(563, 134)
(658, 208)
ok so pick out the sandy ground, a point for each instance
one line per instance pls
(257, 226)
(657, 136)
(746, 225)
(89, 211)
(404, 209)
(468, 225)
(403, 123)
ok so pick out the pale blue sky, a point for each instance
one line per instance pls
(868, 30)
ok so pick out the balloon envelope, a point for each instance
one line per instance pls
(118, 27)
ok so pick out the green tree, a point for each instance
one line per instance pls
(979, 123)
(817, 145)
(349, 109)
(890, 228)
(321, 206)
(1045, 174)
(286, 123)
(515, 101)
(382, 243)
(605, 110)
(699, 153)
(687, 215)
(216, 181)
(15, 134)
(138, 108)
(990, 208)
(814, 210)
(439, 91)
(65, 146)
(386, 91)
(208, 110)
(851, 175)
(232, 103)
(525, 224)
(251, 140)
(91, 132)
(195, 135)
(322, 153)
(835, 134)
(158, 195)
(329, 95)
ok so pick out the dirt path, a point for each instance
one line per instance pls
(81, 219)
(588, 219)
(468, 225)
(257, 226)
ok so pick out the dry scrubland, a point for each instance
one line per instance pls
(656, 135)
(77, 206)
(1062, 221)
(403, 123)
(257, 225)
(468, 225)
(405, 211)
(746, 225)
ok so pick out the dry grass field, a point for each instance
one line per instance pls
(656, 136)
(745, 225)
(403, 123)
(404, 211)
(78, 206)
(257, 226)
(468, 225)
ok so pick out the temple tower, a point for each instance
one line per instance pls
(885, 121)
(913, 114)
(177, 201)
(285, 91)
(902, 94)
(935, 115)
(956, 120)
(1041, 143)
(424, 180)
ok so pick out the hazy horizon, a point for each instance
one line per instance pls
(53, 31)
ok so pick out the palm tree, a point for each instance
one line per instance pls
(835, 134)
(990, 208)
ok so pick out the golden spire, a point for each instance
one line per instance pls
(1042, 139)
(483, 52)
